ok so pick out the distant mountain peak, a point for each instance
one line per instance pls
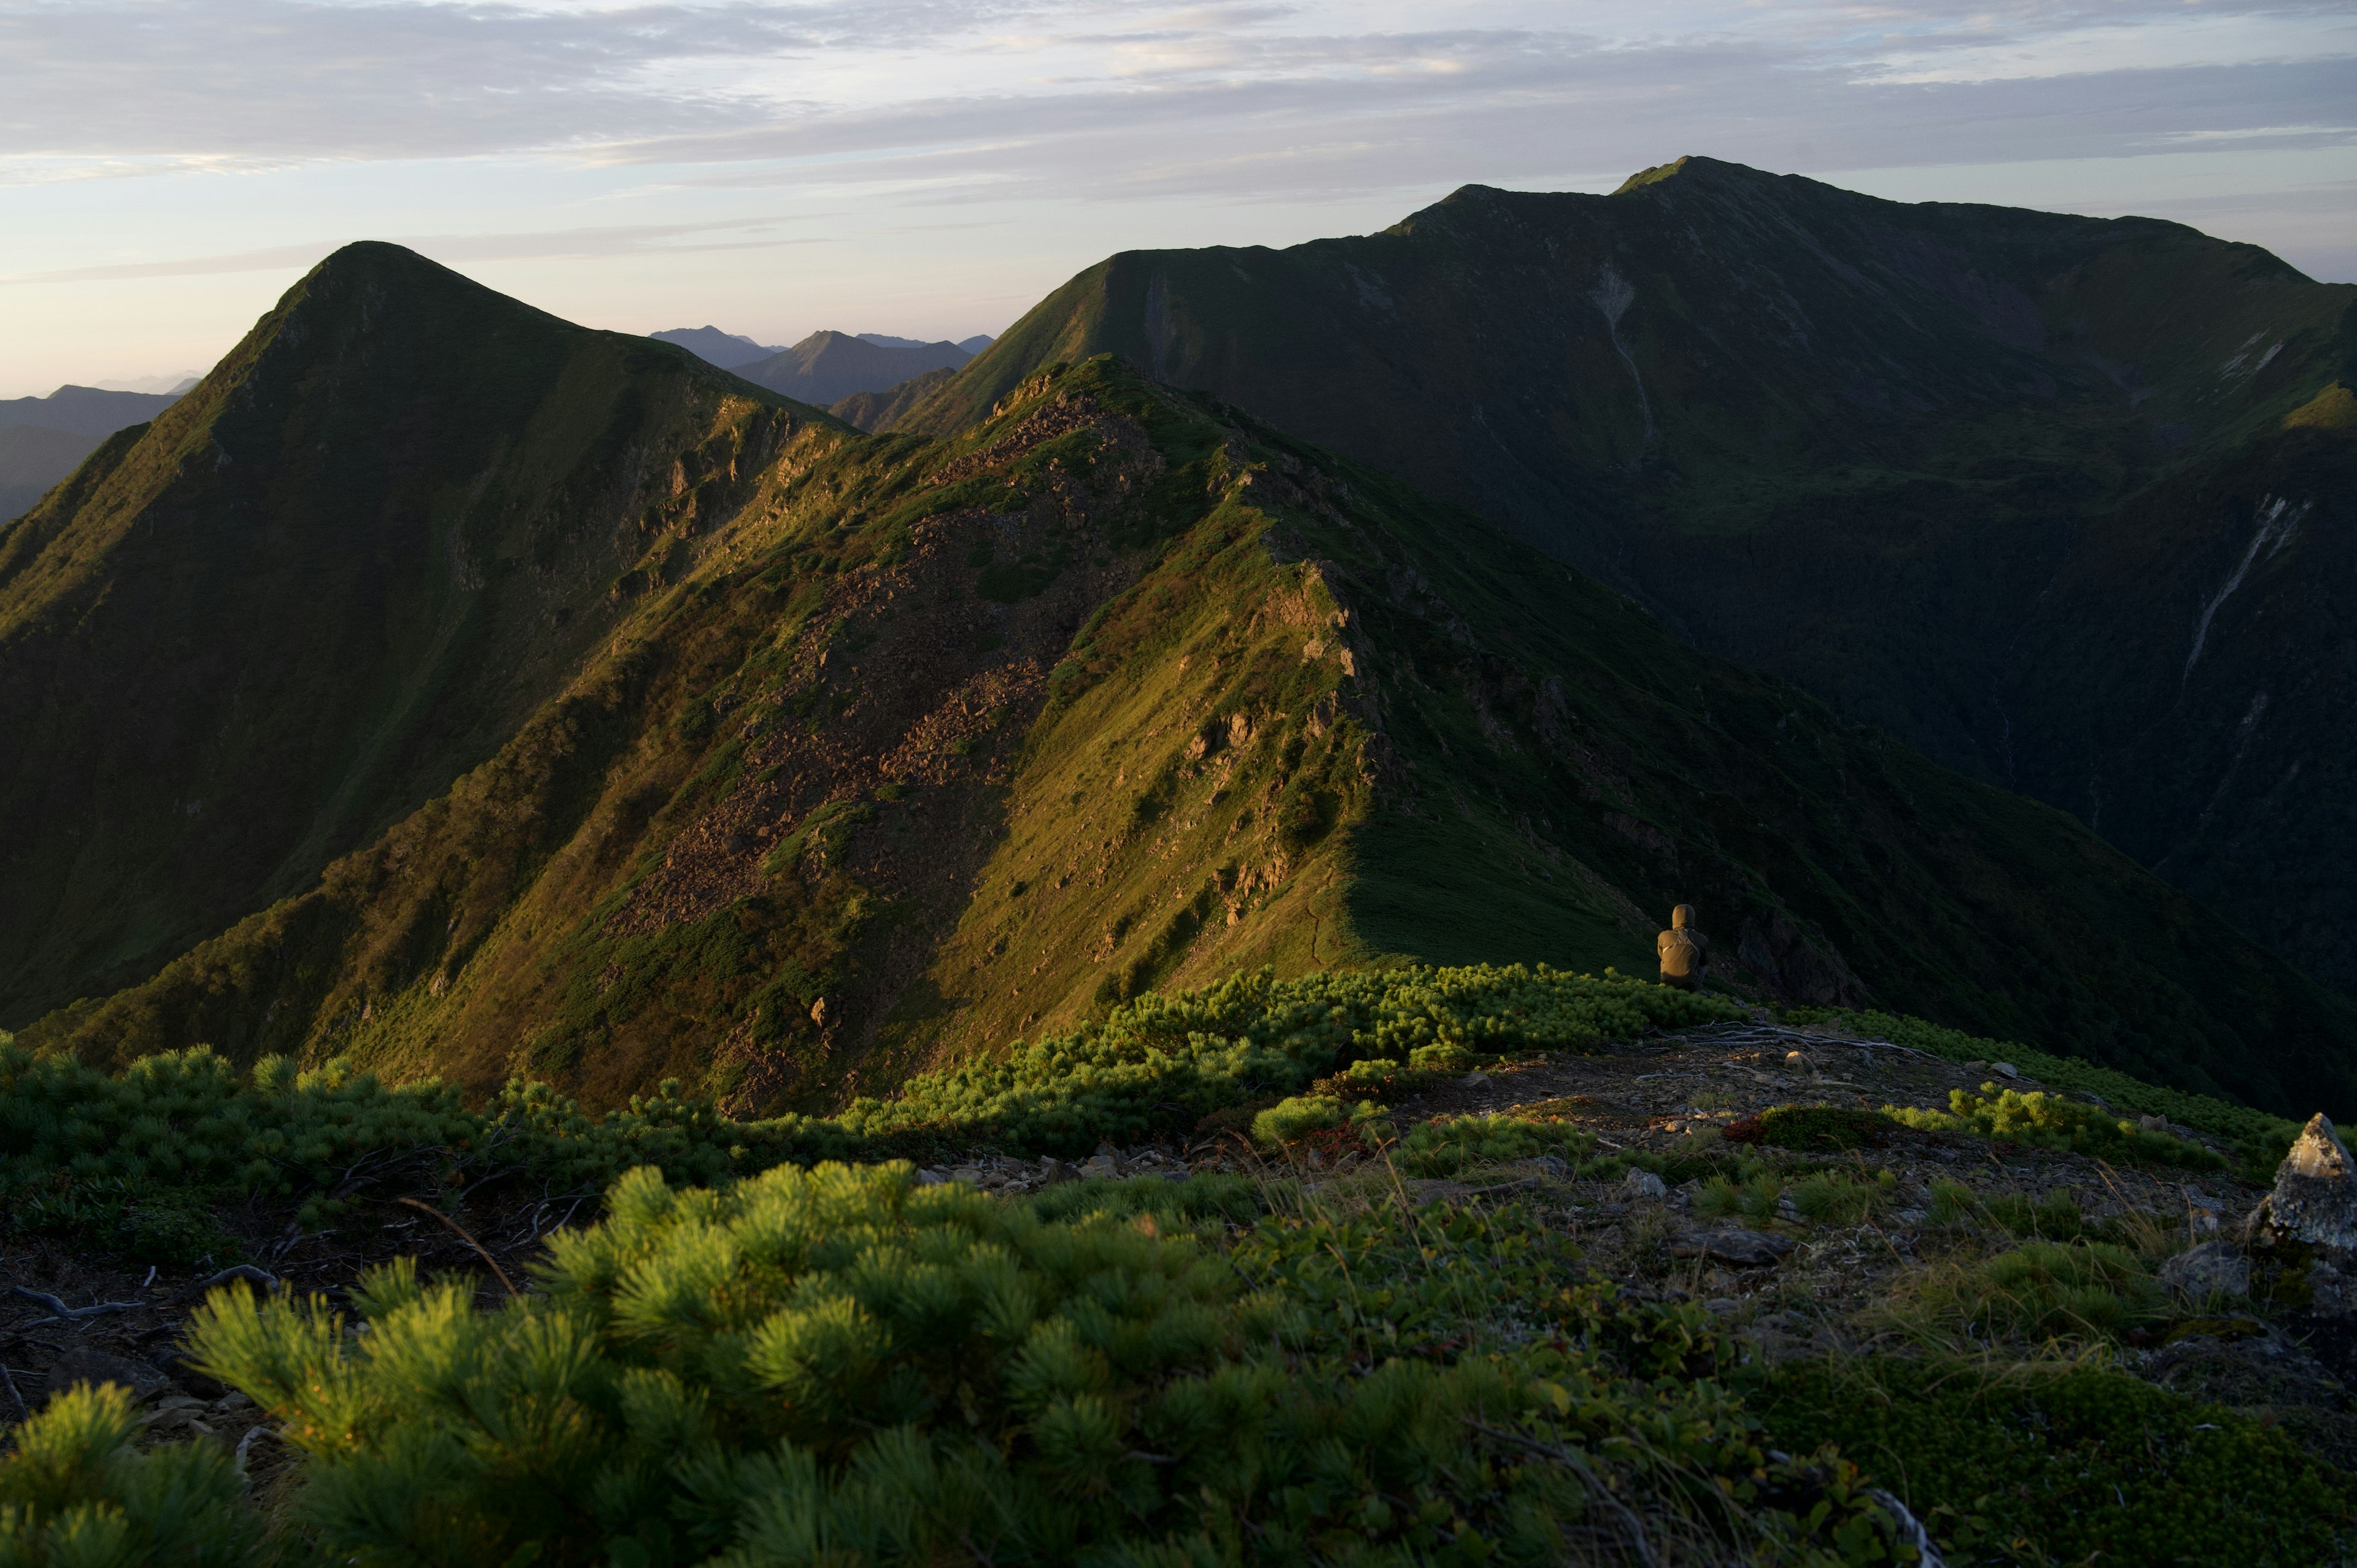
(729, 350)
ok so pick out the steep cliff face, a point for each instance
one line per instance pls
(247, 638)
(926, 745)
(1864, 445)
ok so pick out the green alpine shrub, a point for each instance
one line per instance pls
(1446, 1146)
(840, 1366)
(75, 1493)
(2049, 1121)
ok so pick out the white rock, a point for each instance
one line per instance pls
(2005, 1070)
(1644, 1184)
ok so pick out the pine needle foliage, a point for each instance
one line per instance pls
(75, 1493)
(841, 1365)
(1153, 1068)
(1447, 1146)
(2050, 1122)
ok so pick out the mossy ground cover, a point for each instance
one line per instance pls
(2057, 1465)
(1423, 1336)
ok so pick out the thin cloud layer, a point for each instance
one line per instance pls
(550, 134)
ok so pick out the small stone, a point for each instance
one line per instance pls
(2315, 1199)
(1553, 1165)
(1644, 1184)
(231, 1402)
(1474, 1080)
(2210, 1270)
(1795, 1058)
(930, 1178)
(1053, 1171)
(2153, 1123)
(2005, 1070)
(1744, 1249)
(970, 1175)
(1101, 1165)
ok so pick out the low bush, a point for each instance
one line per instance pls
(76, 1492)
(2259, 1137)
(1822, 1129)
(2049, 1121)
(134, 1221)
(1447, 1146)
(2078, 1465)
(841, 1366)
(1154, 1067)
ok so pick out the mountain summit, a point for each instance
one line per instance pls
(2065, 501)
(246, 637)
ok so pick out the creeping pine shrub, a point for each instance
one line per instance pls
(840, 1366)
(1820, 1128)
(2259, 1137)
(1446, 1146)
(75, 1493)
(1157, 1065)
(1160, 1063)
(1293, 1118)
(2049, 1121)
(2079, 1465)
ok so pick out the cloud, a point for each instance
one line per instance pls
(566, 244)
(125, 86)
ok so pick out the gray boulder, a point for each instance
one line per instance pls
(2214, 1269)
(1642, 1183)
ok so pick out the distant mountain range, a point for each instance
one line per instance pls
(2069, 503)
(42, 439)
(462, 692)
(826, 366)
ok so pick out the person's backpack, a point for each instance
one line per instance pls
(1679, 954)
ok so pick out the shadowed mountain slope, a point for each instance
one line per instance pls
(875, 411)
(935, 743)
(1939, 463)
(827, 366)
(247, 638)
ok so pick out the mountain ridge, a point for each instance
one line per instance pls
(1853, 442)
(858, 754)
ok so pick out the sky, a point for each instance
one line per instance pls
(932, 169)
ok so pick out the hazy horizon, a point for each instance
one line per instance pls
(933, 170)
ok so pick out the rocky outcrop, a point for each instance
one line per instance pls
(2315, 1199)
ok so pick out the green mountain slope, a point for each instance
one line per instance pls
(935, 743)
(1866, 446)
(245, 638)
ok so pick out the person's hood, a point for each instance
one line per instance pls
(1682, 917)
